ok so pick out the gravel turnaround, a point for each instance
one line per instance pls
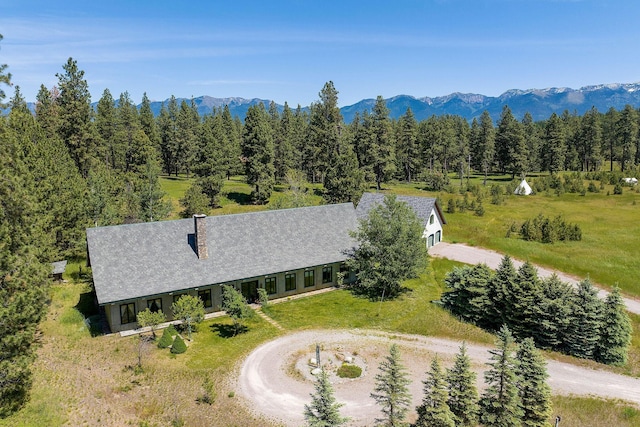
(473, 255)
(276, 382)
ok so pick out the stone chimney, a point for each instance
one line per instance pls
(200, 223)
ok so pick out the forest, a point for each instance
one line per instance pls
(70, 166)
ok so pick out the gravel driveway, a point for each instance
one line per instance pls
(473, 255)
(276, 382)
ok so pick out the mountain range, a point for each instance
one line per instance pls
(540, 103)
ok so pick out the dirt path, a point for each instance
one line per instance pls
(276, 382)
(473, 255)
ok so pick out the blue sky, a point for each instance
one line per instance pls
(285, 50)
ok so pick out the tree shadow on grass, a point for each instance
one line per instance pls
(228, 331)
(240, 198)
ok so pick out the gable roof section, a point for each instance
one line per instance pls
(138, 260)
(422, 206)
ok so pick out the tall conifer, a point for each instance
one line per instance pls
(434, 410)
(391, 390)
(615, 332)
(534, 392)
(463, 394)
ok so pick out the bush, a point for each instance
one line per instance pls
(592, 188)
(617, 189)
(451, 206)
(348, 370)
(435, 181)
(545, 230)
(167, 337)
(178, 346)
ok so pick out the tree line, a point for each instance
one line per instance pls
(516, 393)
(552, 313)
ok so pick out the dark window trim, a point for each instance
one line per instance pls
(327, 269)
(127, 313)
(273, 280)
(287, 282)
(208, 303)
(309, 274)
(157, 301)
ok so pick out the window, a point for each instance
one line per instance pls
(270, 285)
(327, 274)
(154, 305)
(290, 282)
(309, 278)
(205, 296)
(127, 313)
(177, 297)
(431, 219)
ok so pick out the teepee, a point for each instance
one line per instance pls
(523, 189)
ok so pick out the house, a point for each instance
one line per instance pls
(523, 189)
(286, 252)
(427, 209)
(152, 264)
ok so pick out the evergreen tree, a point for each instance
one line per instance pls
(500, 402)
(167, 126)
(391, 390)
(534, 392)
(148, 123)
(105, 122)
(381, 143)
(407, 148)
(483, 145)
(511, 151)
(390, 249)
(532, 141)
(590, 140)
(23, 272)
(434, 410)
(194, 201)
(615, 332)
(187, 127)
(552, 309)
(76, 126)
(257, 150)
(5, 78)
(344, 182)
(554, 145)
(585, 321)
(466, 293)
(463, 395)
(502, 290)
(284, 152)
(323, 411)
(627, 135)
(48, 111)
(522, 316)
(153, 206)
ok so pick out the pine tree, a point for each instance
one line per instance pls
(257, 149)
(323, 411)
(463, 395)
(552, 309)
(554, 145)
(500, 403)
(511, 151)
(76, 126)
(381, 143)
(391, 390)
(434, 410)
(5, 78)
(627, 135)
(585, 321)
(502, 290)
(344, 182)
(466, 293)
(534, 392)
(194, 201)
(483, 145)
(407, 148)
(615, 331)
(523, 318)
(24, 273)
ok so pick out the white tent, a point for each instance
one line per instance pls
(523, 189)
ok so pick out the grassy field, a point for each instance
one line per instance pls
(86, 380)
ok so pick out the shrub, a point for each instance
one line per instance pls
(617, 189)
(167, 337)
(435, 181)
(348, 370)
(545, 230)
(592, 188)
(451, 206)
(178, 346)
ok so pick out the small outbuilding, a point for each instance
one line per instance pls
(523, 189)
(58, 269)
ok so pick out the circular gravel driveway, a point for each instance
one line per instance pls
(275, 380)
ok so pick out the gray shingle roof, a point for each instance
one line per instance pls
(138, 260)
(422, 206)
